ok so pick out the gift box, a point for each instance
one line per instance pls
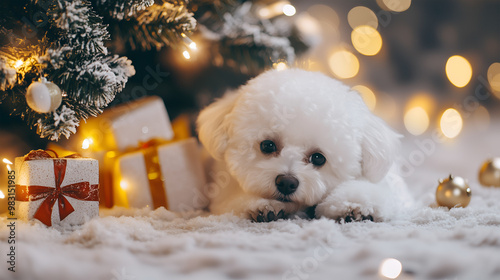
(118, 130)
(125, 126)
(169, 175)
(62, 191)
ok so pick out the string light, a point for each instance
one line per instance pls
(289, 10)
(186, 54)
(368, 96)
(344, 64)
(2, 196)
(451, 123)
(86, 143)
(416, 120)
(6, 161)
(366, 40)
(458, 71)
(494, 78)
(18, 64)
(361, 15)
(123, 184)
(280, 66)
(390, 268)
(190, 43)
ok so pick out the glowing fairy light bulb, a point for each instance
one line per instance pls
(391, 268)
(2, 196)
(18, 64)
(280, 66)
(6, 161)
(86, 143)
(451, 123)
(416, 120)
(186, 54)
(123, 184)
(289, 10)
(193, 46)
(458, 70)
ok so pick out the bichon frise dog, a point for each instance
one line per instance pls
(293, 139)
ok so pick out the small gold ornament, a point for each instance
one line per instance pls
(43, 96)
(489, 174)
(453, 192)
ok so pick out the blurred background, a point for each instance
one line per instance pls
(426, 67)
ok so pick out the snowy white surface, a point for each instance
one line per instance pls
(431, 243)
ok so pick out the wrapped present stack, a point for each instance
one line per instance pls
(145, 161)
(56, 191)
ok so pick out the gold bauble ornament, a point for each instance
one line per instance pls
(453, 192)
(43, 96)
(489, 174)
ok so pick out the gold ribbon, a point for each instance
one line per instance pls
(150, 152)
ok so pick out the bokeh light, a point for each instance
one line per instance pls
(458, 71)
(289, 10)
(280, 66)
(328, 17)
(366, 40)
(451, 123)
(416, 120)
(390, 268)
(2, 196)
(368, 96)
(123, 185)
(494, 78)
(186, 54)
(361, 15)
(86, 143)
(344, 64)
(423, 100)
(395, 5)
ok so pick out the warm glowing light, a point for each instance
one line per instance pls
(423, 100)
(2, 196)
(344, 64)
(186, 54)
(494, 78)
(366, 40)
(6, 161)
(416, 120)
(289, 10)
(396, 5)
(86, 143)
(18, 64)
(367, 95)
(326, 15)
(458, 70)
(361, 15)
(123, 184)
(193, 46)
(391, 268)
(451, 123)
(280, 66)
(8, 168)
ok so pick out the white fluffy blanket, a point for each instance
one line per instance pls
(431, 242)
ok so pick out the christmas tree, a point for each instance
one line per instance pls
(59, 61)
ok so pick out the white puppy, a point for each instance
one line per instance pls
(293, 139)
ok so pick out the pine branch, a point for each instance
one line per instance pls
(157, 26)
(119, 9)
(245, 41)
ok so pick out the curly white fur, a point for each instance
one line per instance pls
(303, 112)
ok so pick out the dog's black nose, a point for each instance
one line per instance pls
(287, 184)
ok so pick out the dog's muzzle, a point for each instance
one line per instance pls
(286, 184)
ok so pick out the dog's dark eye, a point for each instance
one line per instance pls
(267, 147)
(317, 159)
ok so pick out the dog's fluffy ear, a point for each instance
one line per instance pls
(380, 147)
(213, 126)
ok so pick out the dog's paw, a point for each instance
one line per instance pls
(267, 210)
(354, 216)
(346, 212)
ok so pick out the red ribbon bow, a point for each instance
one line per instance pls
(81, 191)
